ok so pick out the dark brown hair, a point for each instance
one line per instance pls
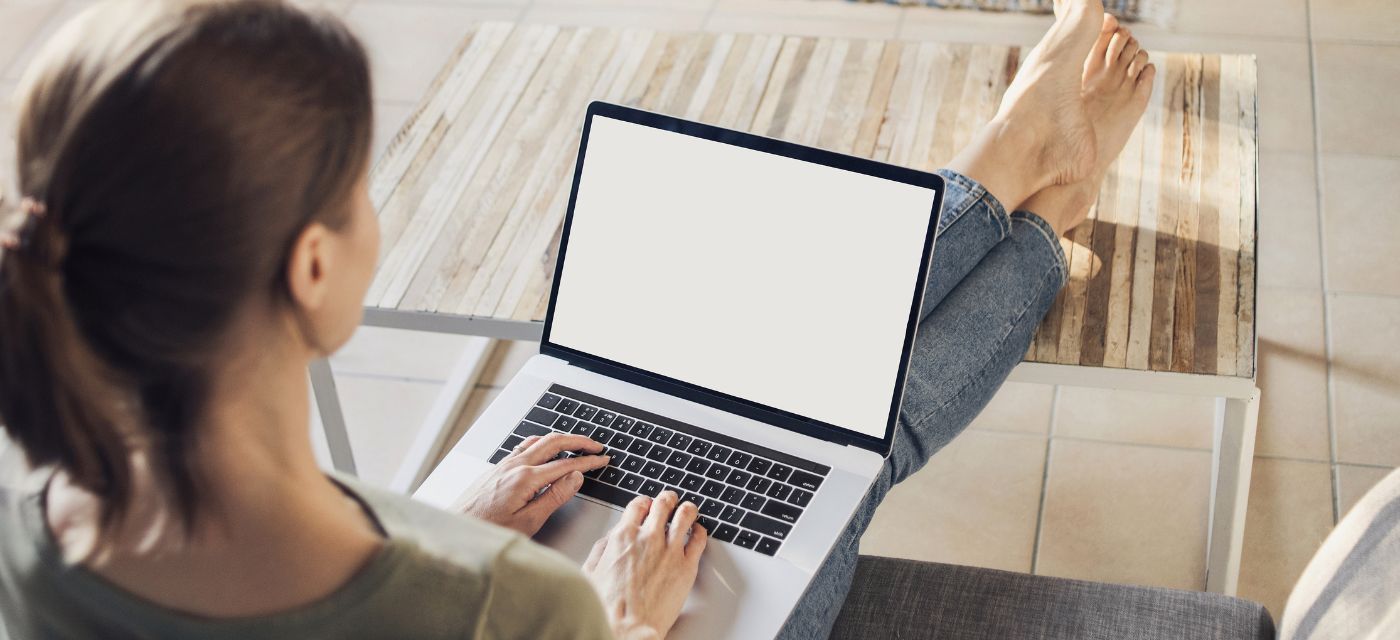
(178, 148)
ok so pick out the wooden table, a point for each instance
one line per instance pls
(472, 192)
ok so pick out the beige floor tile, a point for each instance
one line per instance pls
(1285, 83)
(480, 398)
(1373, 20)
(388, 119)
(408, 43)
(21, 27)
(677, 18)
(1159, 419)
(1366, 378)
(383, 417)
(974, 504)
(1289, 248)
(1354, 481)
(1290, 513)
(1125, 514)
(397, 353)
(506, 360)
(1363, 234)
(805, 18)
(1020, 407)
(1292, 375)
(1285, 19)
(1357, 109)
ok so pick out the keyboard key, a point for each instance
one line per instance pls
(678, 459)
(652, 469)
(707, 522)
(581, 428)
(746, 539)
(567, 406)
(800, 497)
(711, 508)
(527, 429)
(565, 423)
(632, 482)
(658, 453)
(732, 495)
(782, 511)
(692, 482)
(698, 465)
(767, 526)
(699, 447)
(624, 423)
(717, 472)
(659, 435)
(585, 412)
(739, 478)
(779, 472)
(732, 515)
(612, 475)
(719, 454)
(760, 484)
(726, 533)
(680, 441)
(651, 488)
(759, 466)
(693, 498)
(779, 491)
(621, 441)
(739, 459)
(641, 429)
(767, 546)
(633, 464)
(712, 489)
(549, 401)
(594, 473)
(753, 501)
(604, 418)
(601, 435)
(804, 480)
(512, 441)
(672, 476)
(606, 493)
(638, 447)
(500, 453)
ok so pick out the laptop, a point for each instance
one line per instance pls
(732, 317)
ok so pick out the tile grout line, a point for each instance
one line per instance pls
(1334, 472)
(1044, 481)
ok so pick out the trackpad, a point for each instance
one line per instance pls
(723, 594)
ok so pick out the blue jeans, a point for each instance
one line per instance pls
(992, 279)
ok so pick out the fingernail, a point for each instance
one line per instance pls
(576, 478)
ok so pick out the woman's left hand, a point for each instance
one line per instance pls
(511, 494)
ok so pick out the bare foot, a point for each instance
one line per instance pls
(1117, 81)
(1042, 134)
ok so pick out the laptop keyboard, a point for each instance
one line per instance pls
(748, 495)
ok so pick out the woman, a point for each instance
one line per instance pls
(195, 228)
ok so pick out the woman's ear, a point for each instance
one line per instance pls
(308, 276)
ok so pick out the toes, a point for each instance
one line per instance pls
(1129, 52)
(1117, 44)
(1144, 82)
(1138, 63)
(1110, 25)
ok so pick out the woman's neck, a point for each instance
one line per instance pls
(272, 532)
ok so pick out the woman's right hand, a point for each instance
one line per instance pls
(644, 568)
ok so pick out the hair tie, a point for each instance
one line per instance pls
(31, 209)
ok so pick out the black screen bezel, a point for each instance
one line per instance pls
(710, 397)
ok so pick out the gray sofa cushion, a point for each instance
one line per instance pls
(905, 599)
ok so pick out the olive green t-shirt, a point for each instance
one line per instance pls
(438, 575)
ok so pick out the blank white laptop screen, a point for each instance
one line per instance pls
(779, 281)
